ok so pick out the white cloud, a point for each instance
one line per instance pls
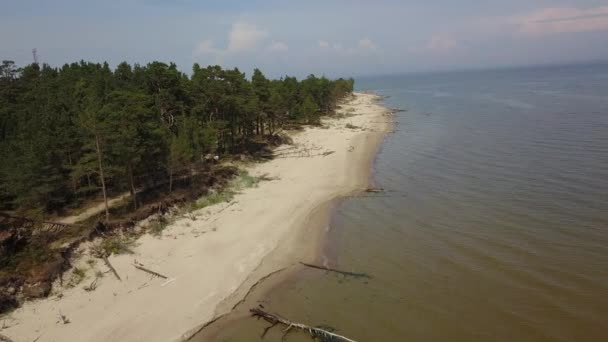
(563, 20)
(244, 36)
(278, 46)
(363, 45)
(206, 47)
(441, 43)
(367, 44)
(340, 49)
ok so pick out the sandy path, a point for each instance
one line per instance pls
(94, 210)
(209, 258)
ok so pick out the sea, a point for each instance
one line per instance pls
(493, 222)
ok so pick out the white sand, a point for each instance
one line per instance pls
(209, 259)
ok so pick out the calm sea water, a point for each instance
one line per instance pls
(494, 225)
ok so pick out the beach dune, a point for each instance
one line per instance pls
(211, 261)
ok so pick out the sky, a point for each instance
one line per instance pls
(329, 37)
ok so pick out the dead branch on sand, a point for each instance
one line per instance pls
(107, 262)
(64, 319)
(267, 178)
(312, 331)
(156, 274)
(284, 149)
(345, 273)
(304, 152)
(5, 326)
(306, 155)
(92, 286)
(4, 338)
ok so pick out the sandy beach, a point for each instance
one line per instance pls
(213, 258)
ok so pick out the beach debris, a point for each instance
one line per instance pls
(156, 274)
(267, 328)
(63, 318)
(374, 190)
(146, 284)
(92, 286)
(4, 338)
(284, 149)
(107, 262)
(169, 281)
(6, 326)
(265, 177)
(345, 273)
(304, 152)
(314, 332)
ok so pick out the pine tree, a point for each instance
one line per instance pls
(83, 130)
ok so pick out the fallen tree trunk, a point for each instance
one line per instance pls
(312, 331)
(346, 273)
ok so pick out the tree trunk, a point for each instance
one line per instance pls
(170, 178)
(271, 126)
(192, 174)
(132, 185)
(101, 176)
(73, 178)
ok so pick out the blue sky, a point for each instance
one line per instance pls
(332, 37)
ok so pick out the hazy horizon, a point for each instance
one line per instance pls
(333, 38)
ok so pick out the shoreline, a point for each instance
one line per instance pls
(318, 225)
(214, 260)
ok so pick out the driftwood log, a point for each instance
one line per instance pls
(156, 274)
(312, 331)
(346, 273)
(374, 190)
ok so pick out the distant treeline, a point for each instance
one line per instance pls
(74, 132)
